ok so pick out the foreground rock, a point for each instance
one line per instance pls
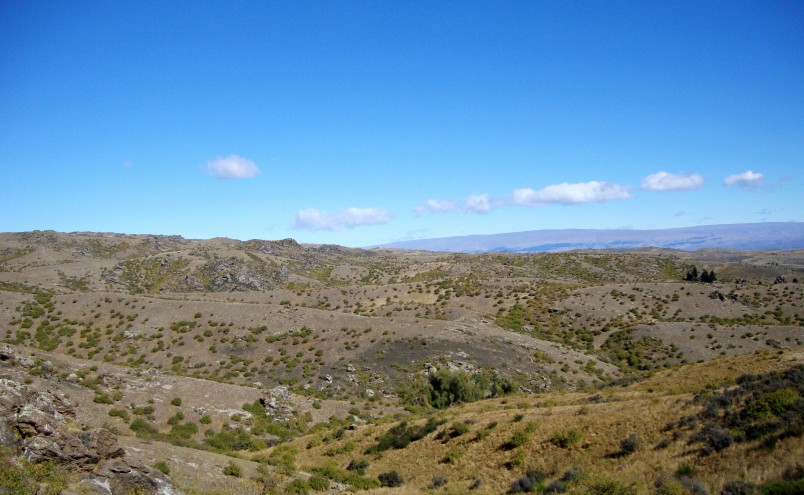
(41, 427)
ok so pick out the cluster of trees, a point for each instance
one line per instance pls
(706, 277)
(443, 388)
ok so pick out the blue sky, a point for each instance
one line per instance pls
(359, 123)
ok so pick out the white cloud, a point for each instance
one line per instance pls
(663, 181)
(476, 203)
(570, 194)
(748, 180)
(232, 167)
(434, 206)
(313, 219)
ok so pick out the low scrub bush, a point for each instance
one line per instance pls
(437, 482)
(233, 470)
(567, 438)
(401, 435)
(143, 428)
(391, 479)
(353, 478)
(532, 482)
(629, 445)
(318, 483)
(358, 466)
(454, 454)
(298, 487)
(518, 439)
(119, 413)
(670, 485)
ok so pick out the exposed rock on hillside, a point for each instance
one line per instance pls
(41, 427)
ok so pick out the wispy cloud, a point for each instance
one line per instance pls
(570, 194)
(313, 219)
(474, 203)
(232, 167)
(747, 181)
(664, 181)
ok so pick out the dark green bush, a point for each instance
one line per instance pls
(391, 479)
(358, 466)
(629, 445)
(402, 434)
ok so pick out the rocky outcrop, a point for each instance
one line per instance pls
(42, 427)
(234, 274)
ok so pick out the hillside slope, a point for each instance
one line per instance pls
(195, 351)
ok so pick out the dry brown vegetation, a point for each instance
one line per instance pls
(575, 352)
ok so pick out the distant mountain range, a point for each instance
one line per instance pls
(744, 236)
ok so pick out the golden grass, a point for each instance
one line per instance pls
(643, 408)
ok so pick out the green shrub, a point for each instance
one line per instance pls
(119, 413)
(454, 454)
(445, 388)
(183, 431)
(162, 466)
(519, 439)
(283, 457)
(176, 401)
(143, 410)
(232, 469)
(567, 438)
(341, 449)
(772, 403)
(458, 428)
(333, 472)
(229, 440)
(318, 483)
(143, 428)
(518, 459)
(298, 487)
